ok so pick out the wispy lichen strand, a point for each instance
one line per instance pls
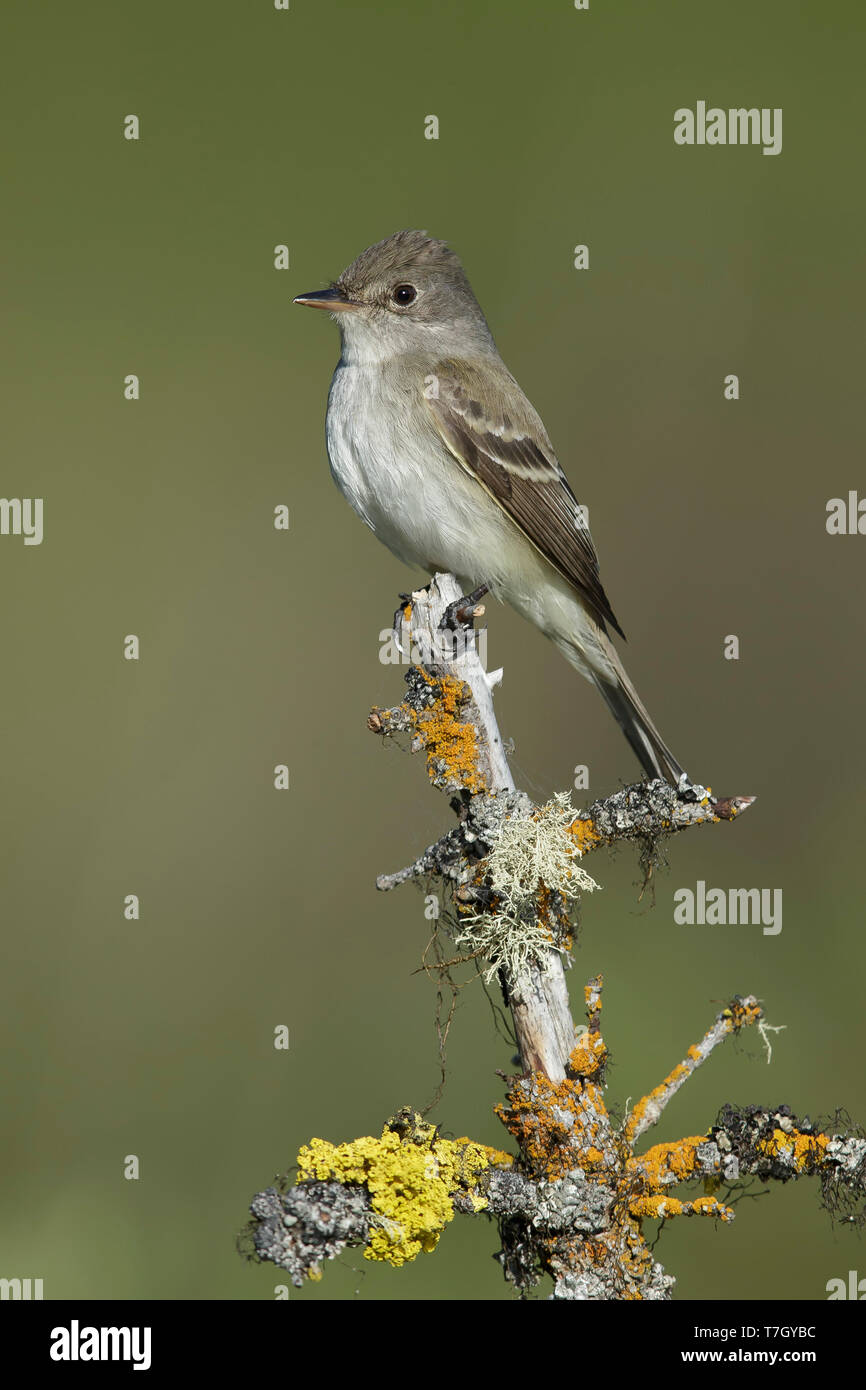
(532, 861)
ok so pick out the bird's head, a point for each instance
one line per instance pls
(406, 294)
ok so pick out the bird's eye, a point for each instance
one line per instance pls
(404, 294)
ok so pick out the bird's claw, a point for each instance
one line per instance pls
(463, 610)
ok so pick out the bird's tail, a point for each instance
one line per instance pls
(628, 710)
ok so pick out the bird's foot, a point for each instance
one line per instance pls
(462, 611)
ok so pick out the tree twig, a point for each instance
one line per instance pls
(574, 1203)
(448, 713)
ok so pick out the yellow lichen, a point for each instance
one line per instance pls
(411, 1183)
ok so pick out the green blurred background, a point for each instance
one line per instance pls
(258, 647)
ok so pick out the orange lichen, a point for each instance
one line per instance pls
(659, 1207)
(660, 1168)
(584, 834)
(710, 1206)
(555, 1124)
(588, 1056)
(449, 740)
(564, 1127)
(451, 743)
(739, 1014)
(553, 918)
(656, 1207)
(656, 1095)
(622, 1245)
(669, 1163)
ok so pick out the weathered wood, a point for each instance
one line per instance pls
(538, 995)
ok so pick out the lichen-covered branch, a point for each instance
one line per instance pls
(299, 1229)
(393, 1194)
(512, 867)
(740, 1014)
(650, 810)
(574, 1201)
(448, 712)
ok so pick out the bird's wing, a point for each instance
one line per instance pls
(494, 433)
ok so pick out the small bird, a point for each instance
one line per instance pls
(438, 450)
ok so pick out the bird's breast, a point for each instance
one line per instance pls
(351, 440)
(383, 460)
(392, 466)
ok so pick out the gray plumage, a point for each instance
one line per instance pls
(434, 444)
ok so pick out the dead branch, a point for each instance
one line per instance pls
(448, 714)
(574, 1203)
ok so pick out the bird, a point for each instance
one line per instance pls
(435, 446)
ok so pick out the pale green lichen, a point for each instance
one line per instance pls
(532, 859)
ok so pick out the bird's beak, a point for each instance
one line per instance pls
(332, 299)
